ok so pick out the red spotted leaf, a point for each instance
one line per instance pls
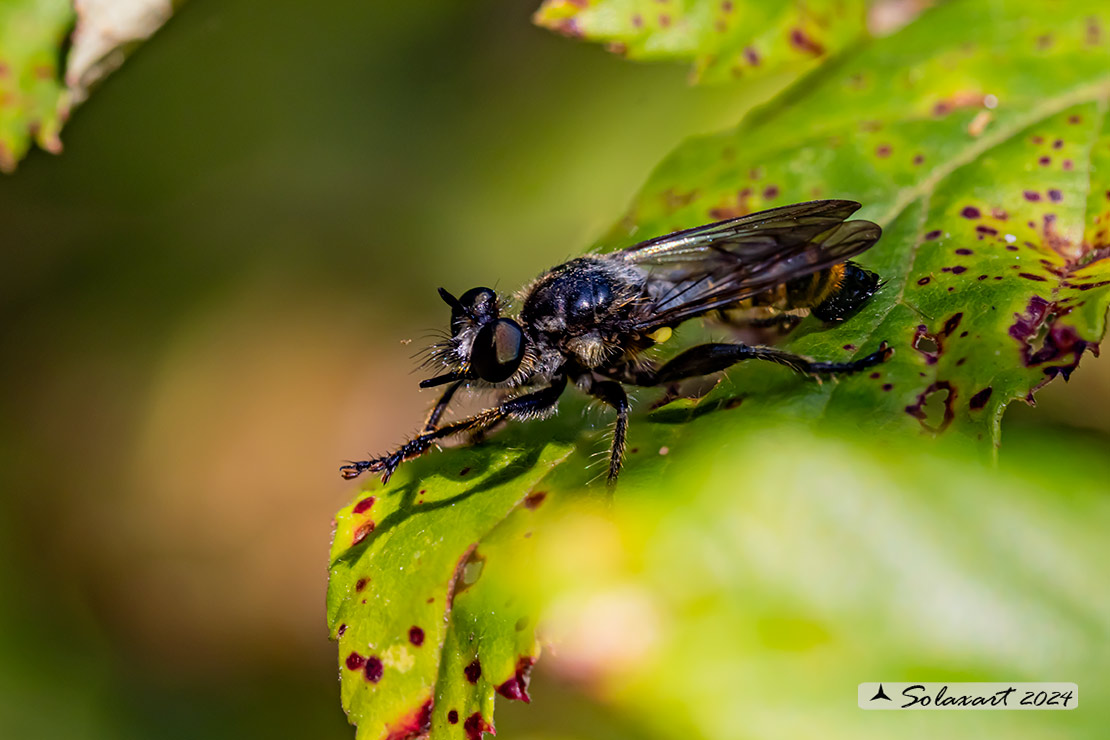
(725, 39)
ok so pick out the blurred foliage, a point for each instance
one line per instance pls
(726, 39)
(31, 33)
(747, 587)
(985, 177)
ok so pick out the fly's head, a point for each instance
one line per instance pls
(484, 345)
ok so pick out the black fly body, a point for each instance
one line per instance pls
(589, 321)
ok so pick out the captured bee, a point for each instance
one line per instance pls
(591, 320)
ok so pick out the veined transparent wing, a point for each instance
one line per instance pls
(709, 267)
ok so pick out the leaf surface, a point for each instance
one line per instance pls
(402, 557)
(726, 39)
(987, 180)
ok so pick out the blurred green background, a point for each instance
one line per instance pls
(212, 297)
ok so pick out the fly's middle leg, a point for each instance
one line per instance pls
(611, 392)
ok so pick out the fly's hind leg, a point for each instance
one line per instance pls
(611, 392)
(710, 358)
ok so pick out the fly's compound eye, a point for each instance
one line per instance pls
(477, 305)
(498, 350)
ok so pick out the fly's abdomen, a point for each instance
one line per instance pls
(832, 294)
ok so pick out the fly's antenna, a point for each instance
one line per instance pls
(451, 300)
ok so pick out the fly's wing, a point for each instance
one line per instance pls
(695, 271)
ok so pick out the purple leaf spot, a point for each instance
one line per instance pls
(979, 400)
(803, 42)
(516, 688)
(918, 411)
(374, 669)
(360, 534)
(475, 725)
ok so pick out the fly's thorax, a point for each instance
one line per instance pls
(583, 307)
(581, 295)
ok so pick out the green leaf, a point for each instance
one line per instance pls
(34, 99)
(726, 39)
(31, 33)
(992, 183)
(401, 558)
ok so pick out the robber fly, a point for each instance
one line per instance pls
(590, 321)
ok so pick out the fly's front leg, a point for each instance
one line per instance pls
(441, 406)
(528, 406)
(613, 394)
(710, 358)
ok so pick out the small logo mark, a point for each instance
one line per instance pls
(880, 694)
